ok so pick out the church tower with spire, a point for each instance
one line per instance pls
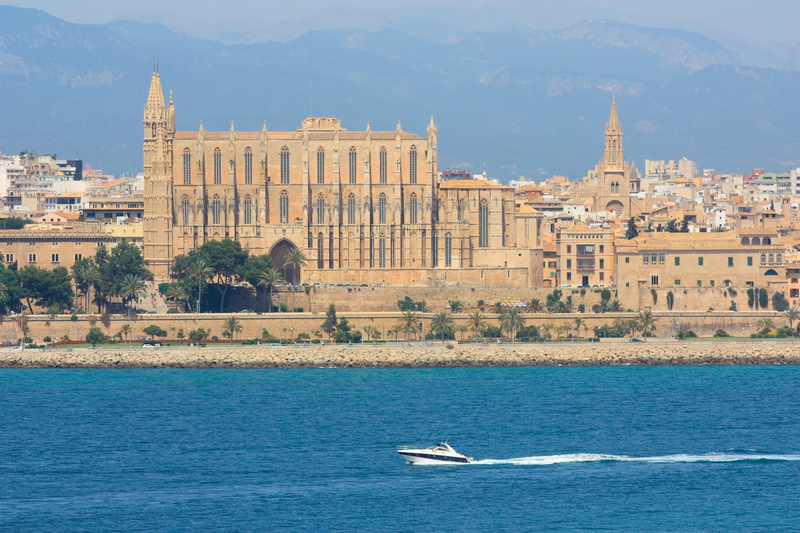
(158, 133)
(613, 154)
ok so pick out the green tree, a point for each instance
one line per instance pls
(546, 329)
(231, 327)
(535, 306)
(615, 306)
(605, 295)
(441, 323)
(462, 328)
(477, 322)
(685, 224)
(646, 322)
(791, 314)
(765, 324)
(177, 293)
(154, 331)
(126, 330)
(124, 260)
(408, 322)
(95, 336)
(270, 280)
(295, 259)
(779, 301)
(225, 258)
(511, 320)
(455, 306)
(632, 231)
(763, 298)
(578, 323)
(131, 288)
(50, 288)
(672, 227)
(198, 335)
(329, 326)
(201, 272)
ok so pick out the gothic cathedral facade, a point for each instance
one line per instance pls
(364, 207)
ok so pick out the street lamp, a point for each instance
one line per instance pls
(362, 319)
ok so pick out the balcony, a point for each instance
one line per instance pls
(585, 264)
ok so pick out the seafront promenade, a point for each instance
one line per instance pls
(414, 355)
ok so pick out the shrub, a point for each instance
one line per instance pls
(180, 333)
(721, 333)
(581, 308)
(670, 300)
(732, 291)
(605, 295)
(450, 346)
(163, 287)
(154, 331)
(315, 341)
(197, 335)
(297, 310)
(105, 318)
(304, 336)
(47, 339)
(493, 332)
(763, 298)
(686, 334)
(528, 333)
(779, 302)
(583, 292)
(172, 311)
(74, 317)
(655, 296)
(214, 338)
(95, 336)
(733, 306)
(751, 298)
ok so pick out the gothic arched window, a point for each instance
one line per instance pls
(382, 252)
(320, 256)
(382, 165)
(483, 224)
(351, 209)
(248, 166)
(248, 209)
(284, 207)
(216, 209)
(448, 250)
(763, 258)
(320, 209)
(320, 165)
(285, 165)
(435, 249)
(779, 258)
(412, 209)
(353, 164)
(185, 209)
(412, 164)
(614, 151)
(153, 129)
(771, 259)
(382, 209)
(187, 167)
(217, 166)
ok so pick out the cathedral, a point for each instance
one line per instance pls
(365, 207)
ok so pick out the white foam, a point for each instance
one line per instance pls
(598, 457)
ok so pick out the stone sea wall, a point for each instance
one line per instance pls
(415, 356)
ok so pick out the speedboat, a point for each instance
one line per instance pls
(442, 453)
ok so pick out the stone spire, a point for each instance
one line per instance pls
(612, 158)
(155, 100)
(613, 122)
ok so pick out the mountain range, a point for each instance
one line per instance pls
(530, 103)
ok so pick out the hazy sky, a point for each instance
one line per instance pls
(761, 21)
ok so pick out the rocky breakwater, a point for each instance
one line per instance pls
(404, 356)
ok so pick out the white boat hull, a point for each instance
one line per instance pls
(420, 457)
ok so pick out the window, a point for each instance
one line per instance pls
(645, 258)
(699, 283)
(351, 209)
(248, 166)
(794, 293)
(320, 165)
(677, 282)
(552, 274)
(551, 264)
(700, 261)
(217, 166)
(383, 165)
(382, 252)
(448, 251)
(660, 258)
(320, 257)
(483, 224)
(78, 257)
(653, 280)
(677, 261)
(54, 258)
(320, 209)
(569, 249)
(771, 259)
(749, 261)
(248, 209)
(187, 167)
(602, 263)
(711, 282)
(353, 164)
(284, 207)
(569, 276)
(627, 284)
(602, 276)
(382, 209)
(730, 261)
(779, 259)
(285, 165)
(216, 209)
(763, 258)
(32, 258)
(627, 259)
(9, 258)
(412, 209)
(371, 252)
(435, 249)
(569, 263)
(185, 209)
(412, 164)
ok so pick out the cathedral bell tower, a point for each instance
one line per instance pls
(613, 153)
(158, 131)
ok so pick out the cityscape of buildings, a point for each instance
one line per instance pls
(372, 207)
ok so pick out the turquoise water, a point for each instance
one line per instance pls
(614, 449)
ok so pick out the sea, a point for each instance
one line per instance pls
(703, 448)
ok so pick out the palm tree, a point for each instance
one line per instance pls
(790, 314)
(561, 329)
(559, 307)
(765, 323)
(462, 328)
(476, 322)
(132, 288)
(270, 279)
(295, 259)
(177, 293)
(369, 331)
(91, 275)
(511, 320)
(231, 326)
(441, 323)
(546, 329)
(536, 306)
(646, 322)
(3, 291)
(409, 321)
(126, 330)
(615, 306)
(578, 323)
(201, 271)
(455, 306)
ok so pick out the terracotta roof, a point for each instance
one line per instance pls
(756, 231)
(472, 184)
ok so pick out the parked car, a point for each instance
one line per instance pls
(634, 339)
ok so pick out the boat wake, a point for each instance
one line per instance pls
(678, 458)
